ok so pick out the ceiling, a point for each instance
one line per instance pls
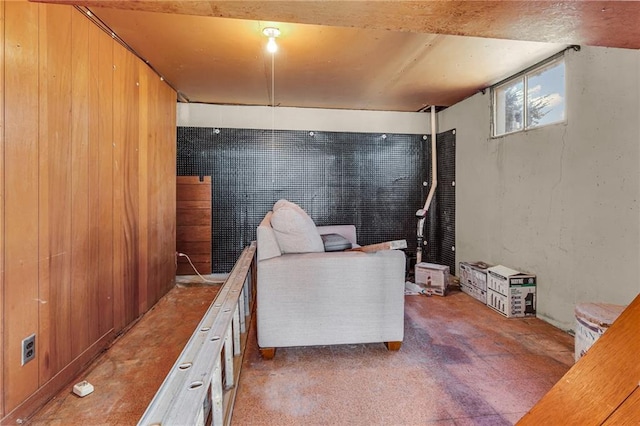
(371, 55)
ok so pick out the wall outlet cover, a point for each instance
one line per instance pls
(28, 349)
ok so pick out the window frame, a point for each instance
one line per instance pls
(523, 76)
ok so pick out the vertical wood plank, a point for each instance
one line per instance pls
(104, 74)
(144, 185)
(168, 148)
(2, 393)
(54, 190)
(125, 256)
(80, 229)
(154, 189)
(21, 197)
(93, 179)
(132, 165)
(119, 262)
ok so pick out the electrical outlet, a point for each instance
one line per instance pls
(28, 349)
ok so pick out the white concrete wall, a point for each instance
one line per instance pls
(257, 117)
(561, 201)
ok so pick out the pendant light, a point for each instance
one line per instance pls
(272, 33)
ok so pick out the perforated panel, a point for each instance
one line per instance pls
(440, 226)
(370, 180)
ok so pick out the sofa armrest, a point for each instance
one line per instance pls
(347, 231)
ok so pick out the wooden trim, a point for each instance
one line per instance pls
(2, 249)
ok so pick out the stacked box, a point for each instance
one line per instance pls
(510, 292)
(433, 278)
(473, 279)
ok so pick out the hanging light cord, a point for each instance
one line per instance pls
(273, 119)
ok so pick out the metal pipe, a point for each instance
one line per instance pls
(434, 162)
(422, 213)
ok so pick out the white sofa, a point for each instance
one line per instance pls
(327, 298)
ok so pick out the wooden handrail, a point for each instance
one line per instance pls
(197, 389)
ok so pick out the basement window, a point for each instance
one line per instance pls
(531, 99)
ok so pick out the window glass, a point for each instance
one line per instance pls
(534, 99)
(545, 95)
(509, 107)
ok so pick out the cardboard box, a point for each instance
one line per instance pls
(592, 320)
(433, 278)
(475, 292)
(473, 279)
(510, 292)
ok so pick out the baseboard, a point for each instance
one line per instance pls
(39, 398)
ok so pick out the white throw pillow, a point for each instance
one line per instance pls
(294, 229)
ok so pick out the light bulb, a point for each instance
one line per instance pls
(272, 46)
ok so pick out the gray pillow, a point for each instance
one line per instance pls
(335, 242)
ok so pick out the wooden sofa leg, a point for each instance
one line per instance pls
(393, 346)
(268, 353)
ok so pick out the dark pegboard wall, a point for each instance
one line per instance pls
(373, 181)
(440, 226)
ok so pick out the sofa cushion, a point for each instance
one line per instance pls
(294, 229)
(267, 243)
(335, 242)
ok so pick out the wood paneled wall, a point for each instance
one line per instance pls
(87, 192)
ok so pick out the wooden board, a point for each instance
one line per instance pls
(81, 241)
(194, 191)
(144, 101)
(2, 206)
(628, 413)
(388, 245)
(194, 216)
(193, 224)
(101, 107)
(166, 172)
(599, 382)
(21, 198)
(125, 187)
(55, 190)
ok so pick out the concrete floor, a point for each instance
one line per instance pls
(460, 364)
